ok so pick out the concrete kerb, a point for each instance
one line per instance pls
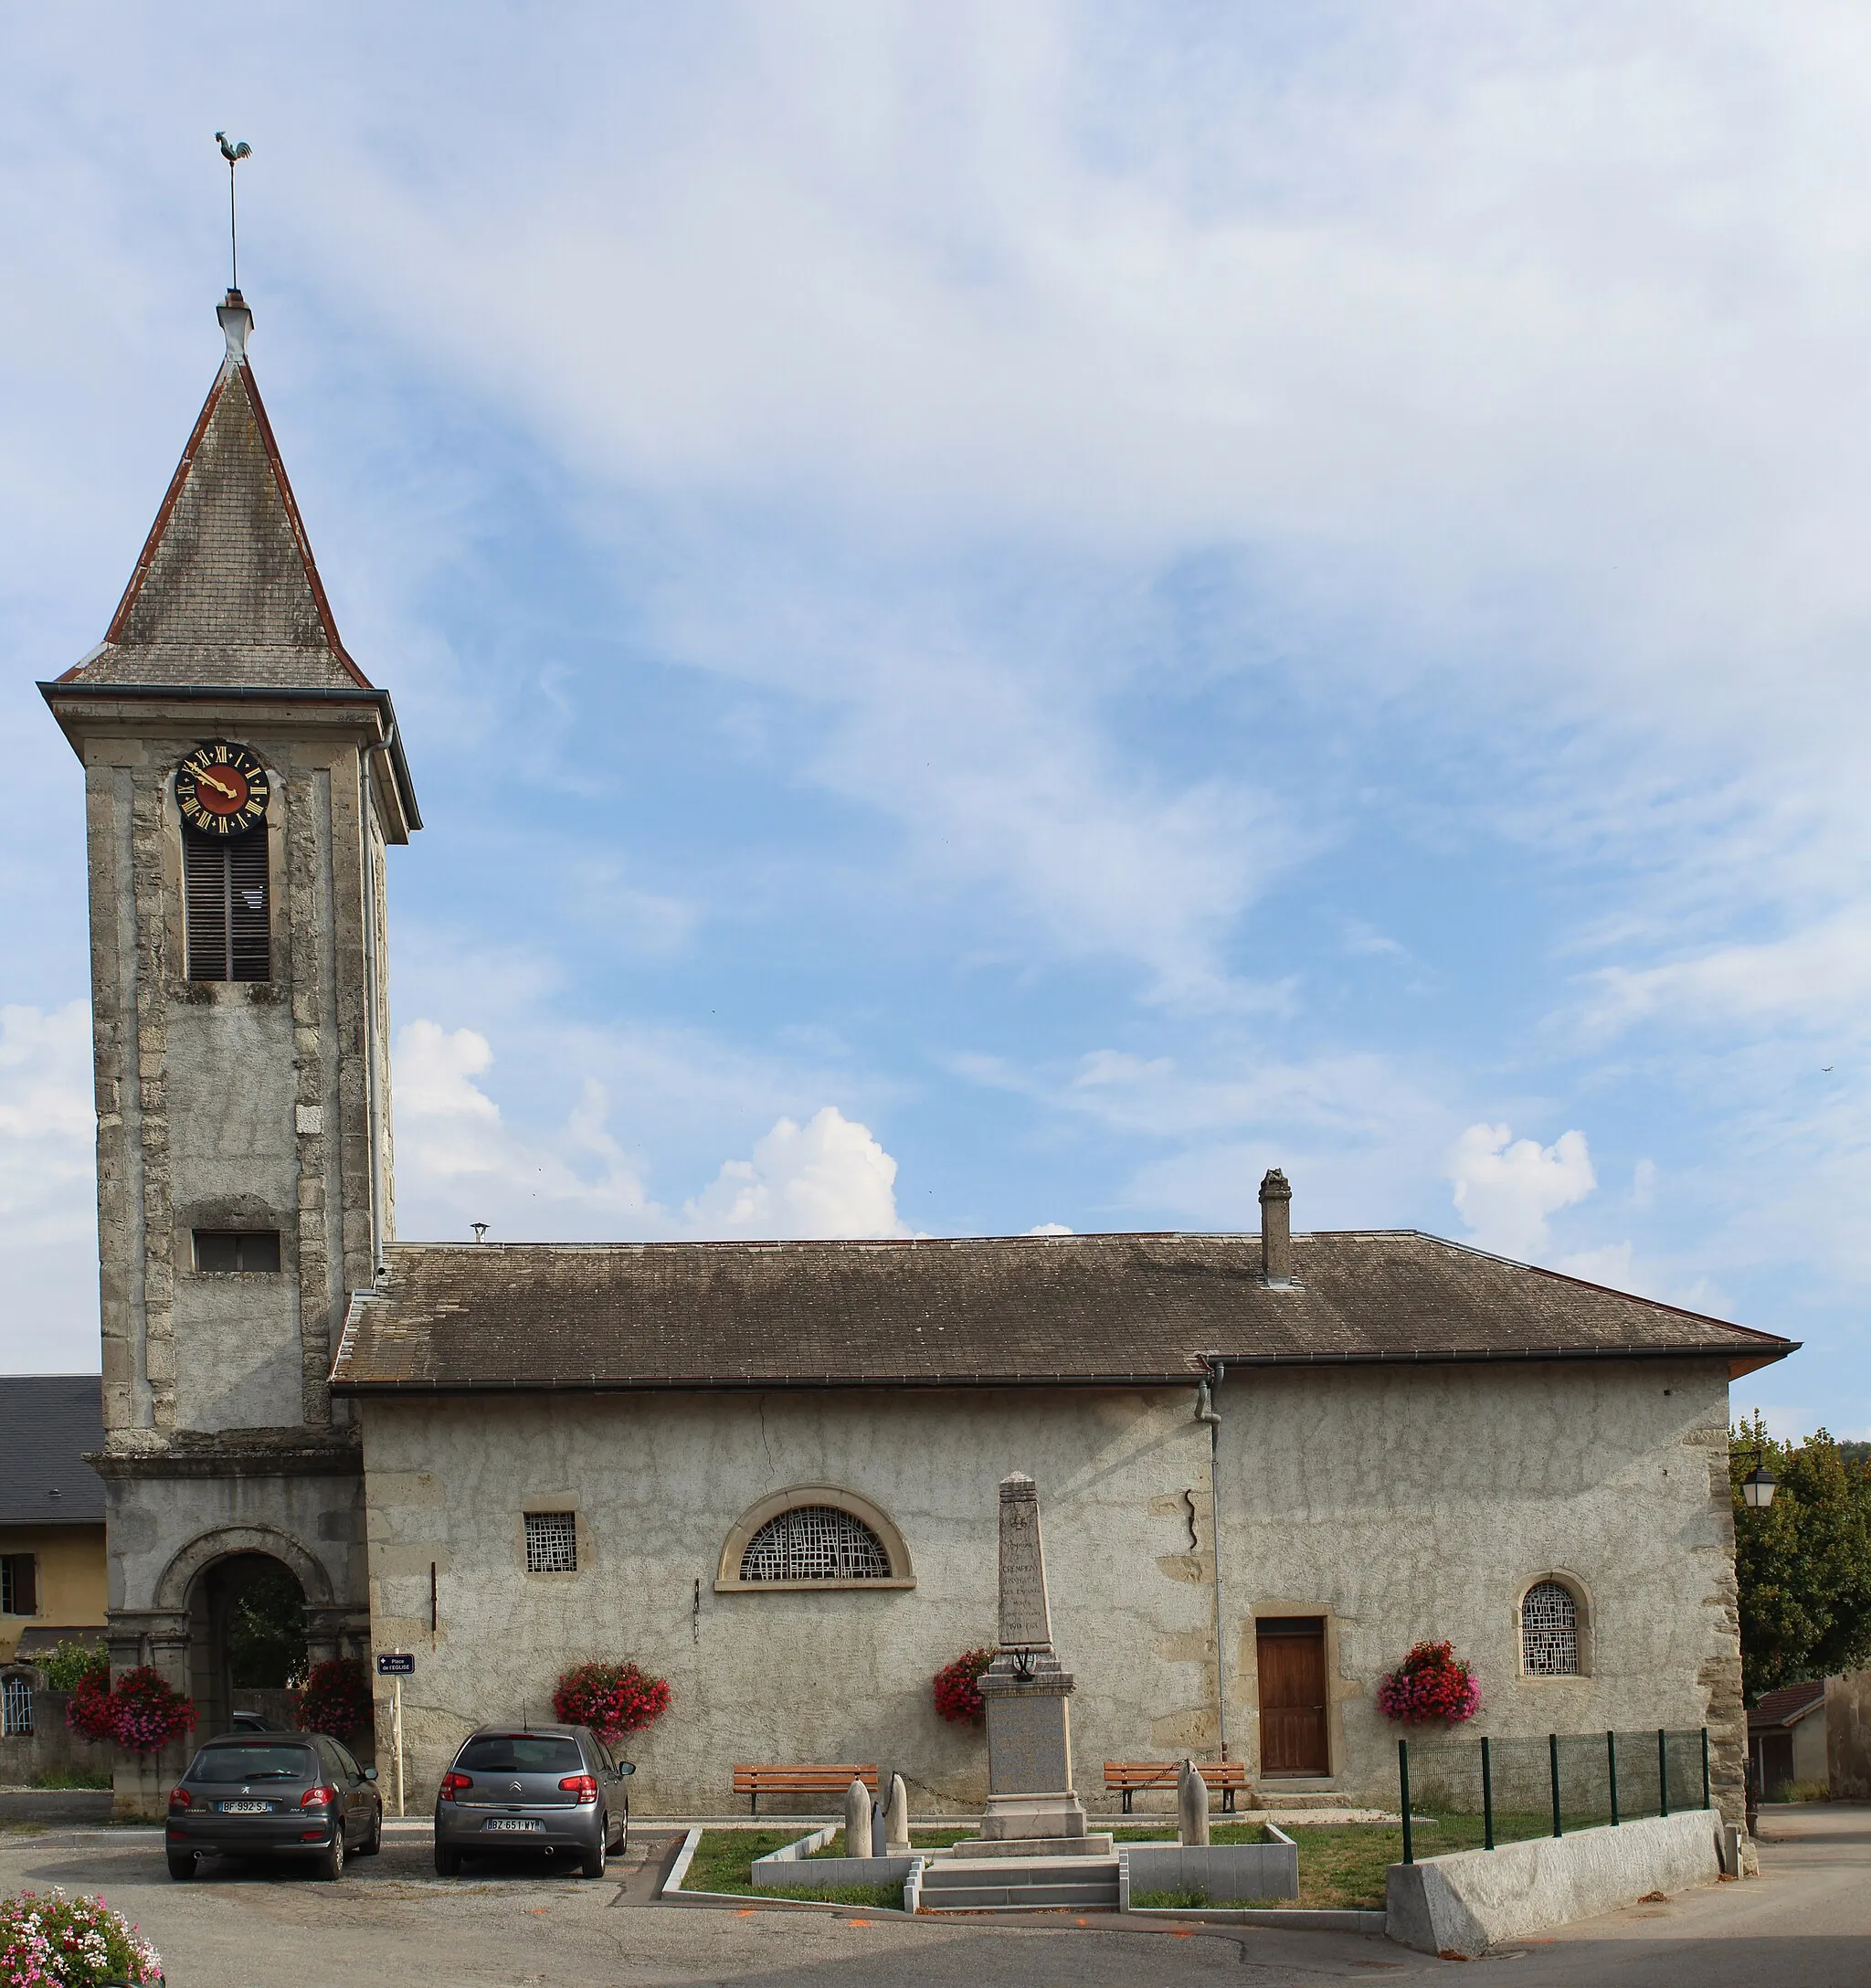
(1462, 1905)
(675, 1891)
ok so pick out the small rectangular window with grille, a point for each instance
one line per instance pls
(16, 1709)
(238, 1250)
(224, 902)
(552, 1542)
(19, 1584)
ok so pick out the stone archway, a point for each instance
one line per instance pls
(210, 1584)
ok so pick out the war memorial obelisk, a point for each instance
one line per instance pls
(1033, 1809)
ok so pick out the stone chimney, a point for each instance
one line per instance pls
(1276, 1227)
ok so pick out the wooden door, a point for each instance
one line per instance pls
(1292, 1653)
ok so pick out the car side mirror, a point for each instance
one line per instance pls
(626, 1769)
(370, 1774)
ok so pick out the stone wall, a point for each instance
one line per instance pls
(51, 1748)
(1399, 1503)
(1848, 1735)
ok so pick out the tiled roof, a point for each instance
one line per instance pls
(1781, 1708)
(226, 591)
(1117, 1309)
(47, 1421)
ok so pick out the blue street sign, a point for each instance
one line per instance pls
(395, 1664)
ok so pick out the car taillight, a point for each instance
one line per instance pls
(582, 1785)
(179, 1798)
(318, 1798)
(451, 1782)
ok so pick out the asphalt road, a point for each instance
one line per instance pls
(1805, 1923)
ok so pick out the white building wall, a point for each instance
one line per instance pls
(1402, 1503)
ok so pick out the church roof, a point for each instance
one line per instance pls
(998, 1310)
(226, 593)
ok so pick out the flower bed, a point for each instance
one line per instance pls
(48, 1941)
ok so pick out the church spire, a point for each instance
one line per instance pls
(226, 593)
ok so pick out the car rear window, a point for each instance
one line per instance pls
(258, 1761)
(520, 1754)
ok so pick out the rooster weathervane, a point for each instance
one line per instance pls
(233, 151)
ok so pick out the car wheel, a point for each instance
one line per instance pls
(181, 1866)
(448, 1861)
(331, 1864)
(592, 1862)
(374, 1842)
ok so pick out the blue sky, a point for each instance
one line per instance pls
(1006, 615)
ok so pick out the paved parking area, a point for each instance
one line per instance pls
(1805, 1924)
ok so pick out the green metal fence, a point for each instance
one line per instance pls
(1471, 1794)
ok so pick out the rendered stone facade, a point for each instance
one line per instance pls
(1396, 1503)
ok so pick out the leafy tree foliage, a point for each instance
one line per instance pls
(1804, 1563)
(265, 1632)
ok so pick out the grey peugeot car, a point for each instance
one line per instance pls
(555, 1789)
(298, 1795)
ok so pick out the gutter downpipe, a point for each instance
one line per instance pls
(1205, 1411)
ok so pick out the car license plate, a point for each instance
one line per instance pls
(246, 1808)
(520, 1823)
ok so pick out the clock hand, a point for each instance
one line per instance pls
(202, 772)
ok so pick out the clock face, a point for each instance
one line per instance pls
(221, 789)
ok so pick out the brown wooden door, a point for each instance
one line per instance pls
(1292, 1652)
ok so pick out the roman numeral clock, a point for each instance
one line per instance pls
(221, 789)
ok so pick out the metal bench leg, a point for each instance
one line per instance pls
(1127, 1801)
(1227, 1801)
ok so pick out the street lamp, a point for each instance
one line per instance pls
(1757, 1487)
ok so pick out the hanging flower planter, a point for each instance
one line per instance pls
(957, 1688)
(610, 1698)
(1432, 1683)
(336, 1700)
(92, 1711)
(148, 1712)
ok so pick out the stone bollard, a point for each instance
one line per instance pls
(857, 1820)
(896, 1819)
(1191, 1805)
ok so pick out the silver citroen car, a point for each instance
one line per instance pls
(553, 1789)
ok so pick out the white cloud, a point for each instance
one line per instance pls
(1611, 1264)
(827, 1177)
(1507, 1188)
(460, 1161)
(1051, 1228)
(48, 1207)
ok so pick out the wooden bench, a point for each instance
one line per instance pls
(755, 1781)
(1131, 1775)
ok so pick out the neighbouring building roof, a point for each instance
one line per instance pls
(978, 1311)
(1787, 1705)
(47, 1421)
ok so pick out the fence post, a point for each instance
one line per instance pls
(1611, 1764)
(1662, 1772)
(1552, 1746)
(1487, 1799)
(1706, 1801)
(1403, 1789)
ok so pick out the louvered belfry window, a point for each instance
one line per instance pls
(224, 888)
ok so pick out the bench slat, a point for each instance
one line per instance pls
(755, 1780)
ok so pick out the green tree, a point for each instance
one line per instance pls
(1803, 1564)
(266, 1632)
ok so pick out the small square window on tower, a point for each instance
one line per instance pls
(552, 1542)
(244, 1250)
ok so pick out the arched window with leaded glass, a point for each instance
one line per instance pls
(814, 1536)
(1552, 1630)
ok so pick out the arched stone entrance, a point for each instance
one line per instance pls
(245, 1639)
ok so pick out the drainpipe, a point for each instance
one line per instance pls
(1205, 1411)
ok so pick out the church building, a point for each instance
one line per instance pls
(1269, 1463)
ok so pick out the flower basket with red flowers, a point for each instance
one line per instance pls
(92, 1710)
(610, 1698)
(958, 1688)
(149, 1712)
(1431, 1683)
(335, 1698)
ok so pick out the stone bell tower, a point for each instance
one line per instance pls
(243, 779)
